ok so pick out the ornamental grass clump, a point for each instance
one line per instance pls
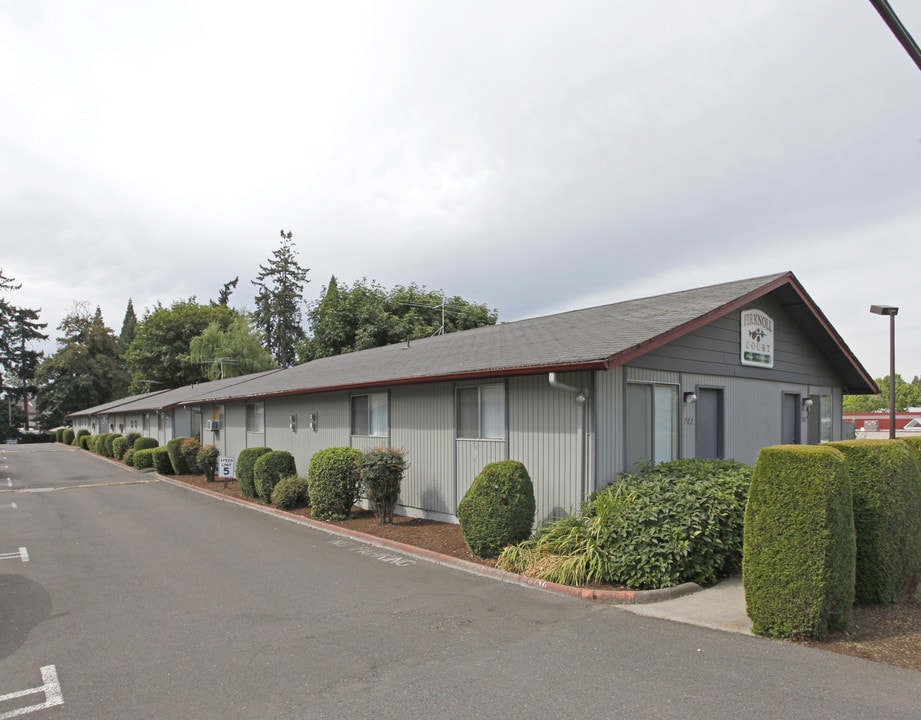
(334, 482)
(381, 472)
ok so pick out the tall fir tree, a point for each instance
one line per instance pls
(280, 302)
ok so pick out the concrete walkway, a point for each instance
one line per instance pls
(721, 607)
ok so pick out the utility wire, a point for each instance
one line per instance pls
(898, 29)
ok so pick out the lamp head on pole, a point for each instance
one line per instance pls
(884, 310)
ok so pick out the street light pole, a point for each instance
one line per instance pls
(891, 312)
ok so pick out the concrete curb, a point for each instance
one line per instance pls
(609, 597)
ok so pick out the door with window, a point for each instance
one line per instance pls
(651, 424)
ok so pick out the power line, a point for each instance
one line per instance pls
(898, 29)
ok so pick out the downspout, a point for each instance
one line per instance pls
(581, 400)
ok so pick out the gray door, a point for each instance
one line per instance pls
(790, 422)
(709, 430)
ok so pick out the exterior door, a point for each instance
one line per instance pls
(709, 430)
(790, 420)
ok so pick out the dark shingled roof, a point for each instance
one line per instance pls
(594, 338)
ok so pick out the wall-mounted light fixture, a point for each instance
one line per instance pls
(690, 398)
(292, 422)
(312, 421)
(807, 404)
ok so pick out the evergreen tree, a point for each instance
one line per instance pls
(279, 301)
(129, 325)
(223, 295)
(19, 328)
(83, 372)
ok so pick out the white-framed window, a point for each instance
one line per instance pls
(255, 417)
(652, 424)
(370, 415)
(481, 412)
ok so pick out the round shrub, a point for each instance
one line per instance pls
(119, 445)
(144, 459)
(179, 465)
(67, 437)
(84, 441)
(291, 492)
(59, 434)
(145, 443)
(82, 432)
(246, 462)
(334, 482)
(188, 451)
(269, 470)
(108, 450)
(162, 463)
(381, 473)
(498, 509)
(128, 457)
(206, 461)
(131, 437)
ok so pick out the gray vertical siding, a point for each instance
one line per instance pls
(607, 409)
(546, 429)
(422, 424)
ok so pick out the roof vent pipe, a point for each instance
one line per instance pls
(581, 395)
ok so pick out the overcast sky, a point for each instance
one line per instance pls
(532, 156)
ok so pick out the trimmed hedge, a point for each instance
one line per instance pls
(84, 441)
(179, 465)
(144, 458)
(291, 492)
(270, 469)
(162, 462)
(333, 482)
(108, 450)
(82, 432)
(131, 438)
(799, 549)
(206, 461)
(188, 451)
(145, 443)
(59, 434)
(246, 462)
(498, 509)
(128, 457)
(67, 437)
(119, 445)
(886, 487)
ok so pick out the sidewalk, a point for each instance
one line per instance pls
(721, 607)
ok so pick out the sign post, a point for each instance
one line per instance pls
(225, 468)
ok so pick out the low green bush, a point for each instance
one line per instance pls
(334, 482)
(144, 458)
(381, 472)
(188, 451)
(886, 487)
(108, 450)
(291, 492)
(162, 463)
(82, 432)
(119, 445)
(206, 461)
(84, 441)
(799, 560)
(270, 469)
(145, 443)
(675, 522)
(180, 467)
(128, 457)
(246, 462)
(59, 434)
(498, 509)
(67, 436)
(131, 437)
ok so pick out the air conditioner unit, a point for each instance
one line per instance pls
(213, 425)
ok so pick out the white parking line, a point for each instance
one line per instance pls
(11, 505)
(51, 689)
(23, 555)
